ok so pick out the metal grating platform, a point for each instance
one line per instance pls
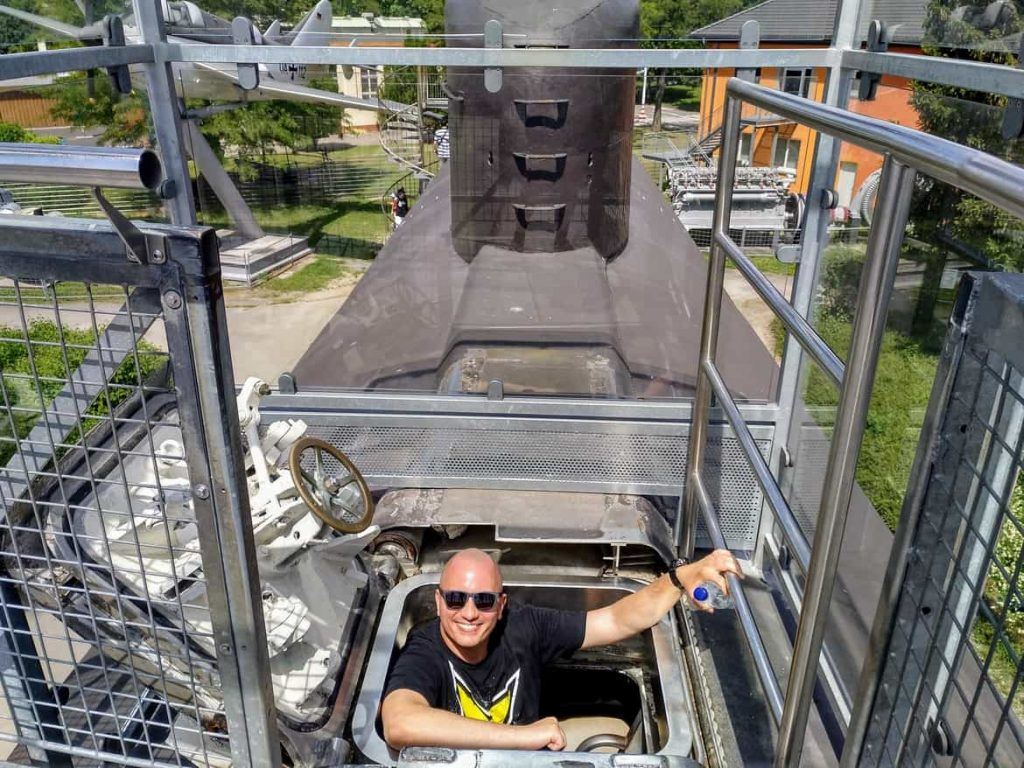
(585, 460)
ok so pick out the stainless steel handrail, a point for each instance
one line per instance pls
(906, 152)
(795, 324)
(997, 181)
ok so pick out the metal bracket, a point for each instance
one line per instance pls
(750, 39)
(787, 254)
(1013, 114)
(142, 248)
(878, 42)
(113, 37)
(242, 34)
(493, 38)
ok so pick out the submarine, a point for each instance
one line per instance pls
(542, 255)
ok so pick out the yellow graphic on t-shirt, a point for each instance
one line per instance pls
(498, 710)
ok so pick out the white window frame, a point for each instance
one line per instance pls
(369, 82)
(795, 156)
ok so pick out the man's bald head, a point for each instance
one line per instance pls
(471, 570)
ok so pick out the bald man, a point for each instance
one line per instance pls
(470, 679)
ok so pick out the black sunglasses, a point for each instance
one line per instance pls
(484, 601)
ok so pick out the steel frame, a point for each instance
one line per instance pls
(187, 284)
(842, 60)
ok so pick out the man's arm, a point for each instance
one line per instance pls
(410, 721)
(641, 610)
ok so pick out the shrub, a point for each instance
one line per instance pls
(840, 278)
(27, 395)
(10, 132)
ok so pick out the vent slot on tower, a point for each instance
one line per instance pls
(542, 113)
(543, 218)
(542, 167)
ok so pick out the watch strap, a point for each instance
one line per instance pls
(672, 573)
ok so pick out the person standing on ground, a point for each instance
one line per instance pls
(399, 206)
(441, 143)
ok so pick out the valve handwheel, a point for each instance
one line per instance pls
(342, 501)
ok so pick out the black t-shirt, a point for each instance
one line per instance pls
(504, 687)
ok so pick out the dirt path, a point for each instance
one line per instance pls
(268, 331)
(752, 306)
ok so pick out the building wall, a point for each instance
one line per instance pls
(28, 110)
(892, 104)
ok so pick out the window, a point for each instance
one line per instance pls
(368, 80)
(746, 149)
(798, 81)
(786, 153)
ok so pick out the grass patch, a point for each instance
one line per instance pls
(685, 96)
(312, 277)
(359, 220)
(902, 387)
(27, 397)
(65, 291)
(769, 265)
(1006, 604)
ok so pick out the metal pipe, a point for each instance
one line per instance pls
(773, 494)
(166, 111)
(573, 58)
(80, 166)
(686, 520)
(793, 320)
(971, 170)
(751, 634)
(17, 65)
(865, 345)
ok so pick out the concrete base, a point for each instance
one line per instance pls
(245, 261)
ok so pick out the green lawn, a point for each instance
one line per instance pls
(361, 221)
(65, 291)
(312, 277)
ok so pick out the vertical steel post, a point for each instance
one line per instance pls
(197, 342)
(865, 345)
(165, 112)
(686, 518)
(814, 238)
(421, 105)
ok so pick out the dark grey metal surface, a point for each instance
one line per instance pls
(543, 164)
(420, 299)
(928, 693)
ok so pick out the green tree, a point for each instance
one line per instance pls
(124, 119)
(942, 215)
(667, 23)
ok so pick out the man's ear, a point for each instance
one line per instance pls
(437, 601)
(502, 604)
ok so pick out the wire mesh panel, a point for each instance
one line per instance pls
(122, 575)
(950, 693)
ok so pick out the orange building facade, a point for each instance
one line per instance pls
(769, 142)
(794, 24)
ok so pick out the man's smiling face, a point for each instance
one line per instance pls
(465, 630)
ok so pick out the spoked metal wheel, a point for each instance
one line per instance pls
(341, 497)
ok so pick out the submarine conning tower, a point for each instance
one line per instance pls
(542, 164)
